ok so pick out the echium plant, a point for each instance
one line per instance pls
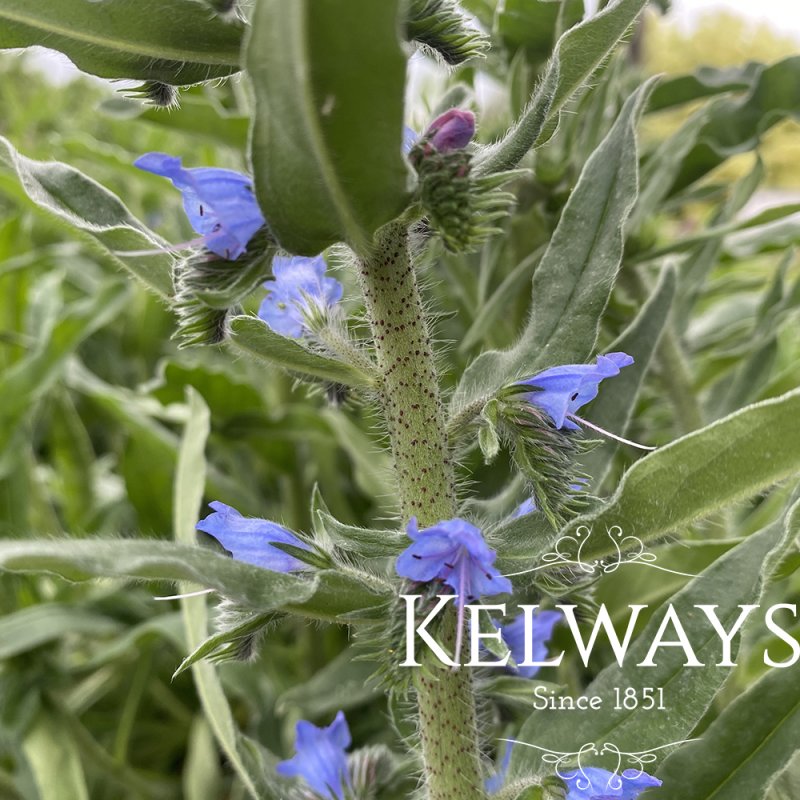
(480, 303)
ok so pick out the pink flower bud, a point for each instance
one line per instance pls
(451, 130)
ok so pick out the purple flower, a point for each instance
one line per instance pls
(320, 758)
(542, 626)
(300, 287)
(452, 130)
(593, 783)
(220, 203)
(561, 391)
(250, 540)
(454, 552)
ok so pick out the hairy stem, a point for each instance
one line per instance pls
(409, 396)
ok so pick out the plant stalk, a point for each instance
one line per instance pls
(409, 396)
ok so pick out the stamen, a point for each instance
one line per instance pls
(610, 435)
(186, 594)
(460, 603)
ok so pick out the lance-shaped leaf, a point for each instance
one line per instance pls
(578, 53)
(743, 749)
(573, 282)
(90, 210)
(696, 475)
(736, 578)
(328, 78)
(177, 42)
(613, 407)
(735, 125)
(189, 487)
(29, 379)
(251, 335)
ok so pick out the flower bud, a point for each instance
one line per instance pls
(452, 130)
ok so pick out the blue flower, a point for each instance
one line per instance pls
(454, 552)
(495, 782)
(410, 137)
(250, 539)
(593, 783)
(300, 286)
(542, 626)
(220, 203)
(561, 391)
(524, 508)
(529, 506)
(320, 759)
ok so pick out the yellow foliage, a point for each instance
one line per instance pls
(724, 39)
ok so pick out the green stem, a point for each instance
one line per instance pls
(409, 396)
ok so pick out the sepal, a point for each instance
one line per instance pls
(441, 27)
(462, 208)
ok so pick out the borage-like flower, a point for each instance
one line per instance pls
(454, 552)
(542, 624)
(593, 783)
(561, 391)
(250, 539)
(219, 203)
(300, 289)
(320, 759)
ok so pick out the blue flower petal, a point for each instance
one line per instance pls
(320, 758)
(561, 391)
(249, 539)
(543, 623)
(298, 284)
(455, 552)
(219, 203)
(593, 783)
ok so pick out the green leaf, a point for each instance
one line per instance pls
(578, 53)
(212, 645)
(341, 684)
(79, 560)
(34, 626)
(696, 475)
(83, 205)
(735, 125)
(54, 760)
(738, 577)
(614, 406)
(27, 381)
(328, 78)
(703, 82)
(177, 43)
(190, 480)
(572, 283)
(746, 746)
(250, 335)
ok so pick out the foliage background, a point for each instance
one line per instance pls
(90, 432)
